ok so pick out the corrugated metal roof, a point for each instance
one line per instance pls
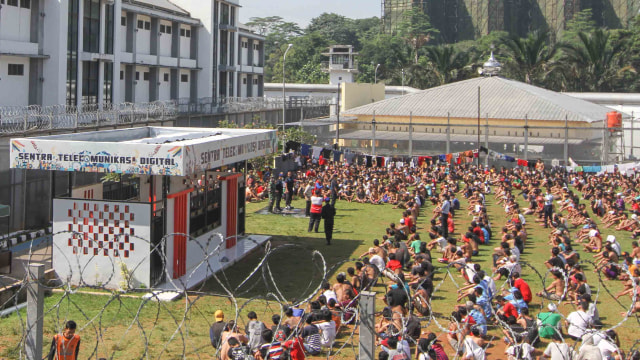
(162, 5)
(418, 136)
(500, 99)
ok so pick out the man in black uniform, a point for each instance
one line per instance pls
(328, 213)
(289, 182)
(279, 189)
(334, 189)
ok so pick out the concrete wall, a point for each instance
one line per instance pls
(354, 95)
(14, 89)
(15, 23)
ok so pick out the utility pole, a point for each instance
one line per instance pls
(478, 162)
(338, 120)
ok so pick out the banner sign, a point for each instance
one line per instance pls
(196, 152)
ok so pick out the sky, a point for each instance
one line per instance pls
(302, 11)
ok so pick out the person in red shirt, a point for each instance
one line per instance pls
(451, 227)
(296, 351)
(393, 264)
(507, 309)
(518, 283)
(477, 231)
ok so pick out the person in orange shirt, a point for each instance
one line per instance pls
(65, 346)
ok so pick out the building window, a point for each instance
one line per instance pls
(121, 75)
(16, 69)
(91, 26)
(72, 53)
(110, 20)
(145, 76)
(90, 82)
(107, 88)
(147, 25)
(166, 77)
(25, 4)
(12, 2)
(255, 81)
(256, 47)
(163, 28)
(184, 78)
(140, 24)
(188, 33)
(137, 75)
(244, 81)
(182, 31)
(123, 21)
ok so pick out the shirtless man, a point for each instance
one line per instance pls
(554, 291)
(230, 331)
(292, 321)
(344, 291)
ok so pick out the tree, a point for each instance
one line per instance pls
(416, 29)
(391, 52)
(446, 62)
(530, 55)
(335, 29)
(595, 62)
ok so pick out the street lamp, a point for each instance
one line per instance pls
(490, 68)
(284, 99)
(376, 74)
(403, 81)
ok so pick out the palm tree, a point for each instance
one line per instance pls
(530, 55)
(446, 62)
(595, 61)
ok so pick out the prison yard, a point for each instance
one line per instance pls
(127, 326)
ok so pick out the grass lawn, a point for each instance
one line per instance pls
(130, 328)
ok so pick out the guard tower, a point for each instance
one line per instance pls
(342, 65)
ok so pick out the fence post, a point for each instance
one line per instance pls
(632, 136)
(526, 137)
(26, 122)
(367, 311)
(411, 133)
(35, 311)
(566, 140)
(486, 140)
(448, 151)
(76, 120)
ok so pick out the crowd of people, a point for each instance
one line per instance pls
(436, 234)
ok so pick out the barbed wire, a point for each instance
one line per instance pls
(274, 299)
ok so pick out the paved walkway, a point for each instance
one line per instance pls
(36, 251)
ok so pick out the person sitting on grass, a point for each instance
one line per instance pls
(555, 290)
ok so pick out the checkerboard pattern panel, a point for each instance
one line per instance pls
(100, 229)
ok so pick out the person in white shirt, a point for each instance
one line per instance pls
(376, 260)
(557, 350)
(327, 329)
(578, 322)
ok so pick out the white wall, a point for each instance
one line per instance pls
(143, 37)
(15, 23)
(123, 32)
(185, 87)
(142, 87)
(100, 269)
(244, 51)
(256, 53)
(185, 43)
(55, 44)
(244, 83)
(165, 40)
(14, 90)
(165, 86)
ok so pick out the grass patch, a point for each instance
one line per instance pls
(130, 328)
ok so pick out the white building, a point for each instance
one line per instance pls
(82, 52)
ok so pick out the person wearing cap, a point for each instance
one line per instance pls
(215, 332)
(308, 190)
(549, 322)
(328, 214)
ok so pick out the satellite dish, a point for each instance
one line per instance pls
(555, 162)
